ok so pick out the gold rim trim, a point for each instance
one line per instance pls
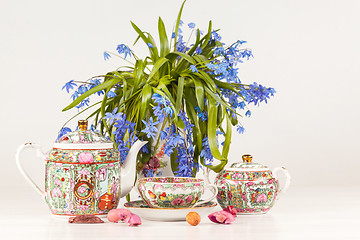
(214, 204)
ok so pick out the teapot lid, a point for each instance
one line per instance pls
(83, 138)
(248, 165)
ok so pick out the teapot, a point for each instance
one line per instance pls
(250, 187)
(83, 173)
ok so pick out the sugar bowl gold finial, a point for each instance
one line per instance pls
(82, 125)
(247, 158)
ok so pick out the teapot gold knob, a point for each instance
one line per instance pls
(247, 158)
(82, 125)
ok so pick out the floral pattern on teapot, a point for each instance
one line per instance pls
(83, 156)
(77, 189)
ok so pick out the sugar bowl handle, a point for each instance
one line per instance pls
(39, 153)
(287, 181)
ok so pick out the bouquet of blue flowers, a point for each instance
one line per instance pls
(186, 94)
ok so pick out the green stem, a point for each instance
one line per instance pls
(121, 57)
(162, 128)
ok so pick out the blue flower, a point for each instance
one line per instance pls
(148, 172)
(186, 121)
(181, 23)
(94, 83)
(257, 93)
(122, 48)
(111, 94)
(206, 152)
(62, 132)
(168, 111)
(150, 45)
(211, 66)
(248, 113)
(191, 25)
(150, 128)
(82, 89)
(158, 98)
(198, 50)
(173, 35)
(163, 135)
(215, 36)
(185, 163)
(241, 105)
(240, 129)
(106, 56)
(219, 51)
(113, 115)
(201, 115)
(69, 85)
(193, 68)
(83, 103)
(75, 95)
(164, 107)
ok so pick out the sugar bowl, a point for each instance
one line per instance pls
(250, 187)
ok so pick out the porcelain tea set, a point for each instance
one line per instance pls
(84, 175)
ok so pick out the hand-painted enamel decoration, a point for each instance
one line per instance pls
(174, 192)
(83, 173)
(250, 187)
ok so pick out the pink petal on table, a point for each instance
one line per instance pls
(221, 217)
(231, 209)
(133, 220)
(116, 215)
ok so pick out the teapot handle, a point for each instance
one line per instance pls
(22, 171)
(287, 181)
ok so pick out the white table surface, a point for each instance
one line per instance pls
(301, 213)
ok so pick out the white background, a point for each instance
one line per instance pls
(307, 50)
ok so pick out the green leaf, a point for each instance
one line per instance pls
(102, 111)
(211, 129)
(165, 90)
(157, 66)
(138, 74)
(179, 97)
(199, 92)
(100, 87)
(226, 146)
(207, 79)
(153, 51)
(164, 43)
(146, 94)
(177, 24)
(207, 36)
(197, 42)
(201, 59)
(190, 111)
(218, 99)
(173, 55)
(137, 39)
(174, 164)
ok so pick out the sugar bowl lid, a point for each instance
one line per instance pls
(83, 138)
(248, 165)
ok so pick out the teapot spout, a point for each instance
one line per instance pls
(128, 170)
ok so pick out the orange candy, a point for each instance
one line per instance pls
(193, 218)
